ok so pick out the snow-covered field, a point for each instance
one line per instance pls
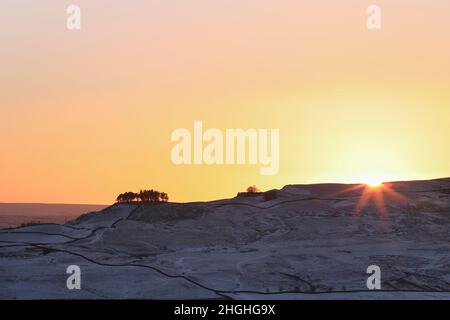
(312, 242)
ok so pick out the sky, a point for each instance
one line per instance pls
(87, 114)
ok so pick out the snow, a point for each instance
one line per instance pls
(309, 243)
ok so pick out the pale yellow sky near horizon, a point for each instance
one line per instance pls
(88, 114)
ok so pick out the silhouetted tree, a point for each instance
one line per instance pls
(130, 196)
(163, 197)
(119, 198)
(153, 196)
(144, 196)
(126, 197)
(253, 189)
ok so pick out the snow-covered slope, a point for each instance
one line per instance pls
(313, 241)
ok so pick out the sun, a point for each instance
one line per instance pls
(374, 182)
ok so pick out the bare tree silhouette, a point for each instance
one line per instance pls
(253, 189)
(144, 196)
(126, 197)
(163, 197)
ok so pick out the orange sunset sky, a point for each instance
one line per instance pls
(88, 114)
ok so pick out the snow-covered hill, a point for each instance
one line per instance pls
(313, 241)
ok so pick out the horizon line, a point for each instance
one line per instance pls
(292, 184)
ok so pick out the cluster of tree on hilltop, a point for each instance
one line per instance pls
(154, 196)
(144, 196)
(253, 191)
